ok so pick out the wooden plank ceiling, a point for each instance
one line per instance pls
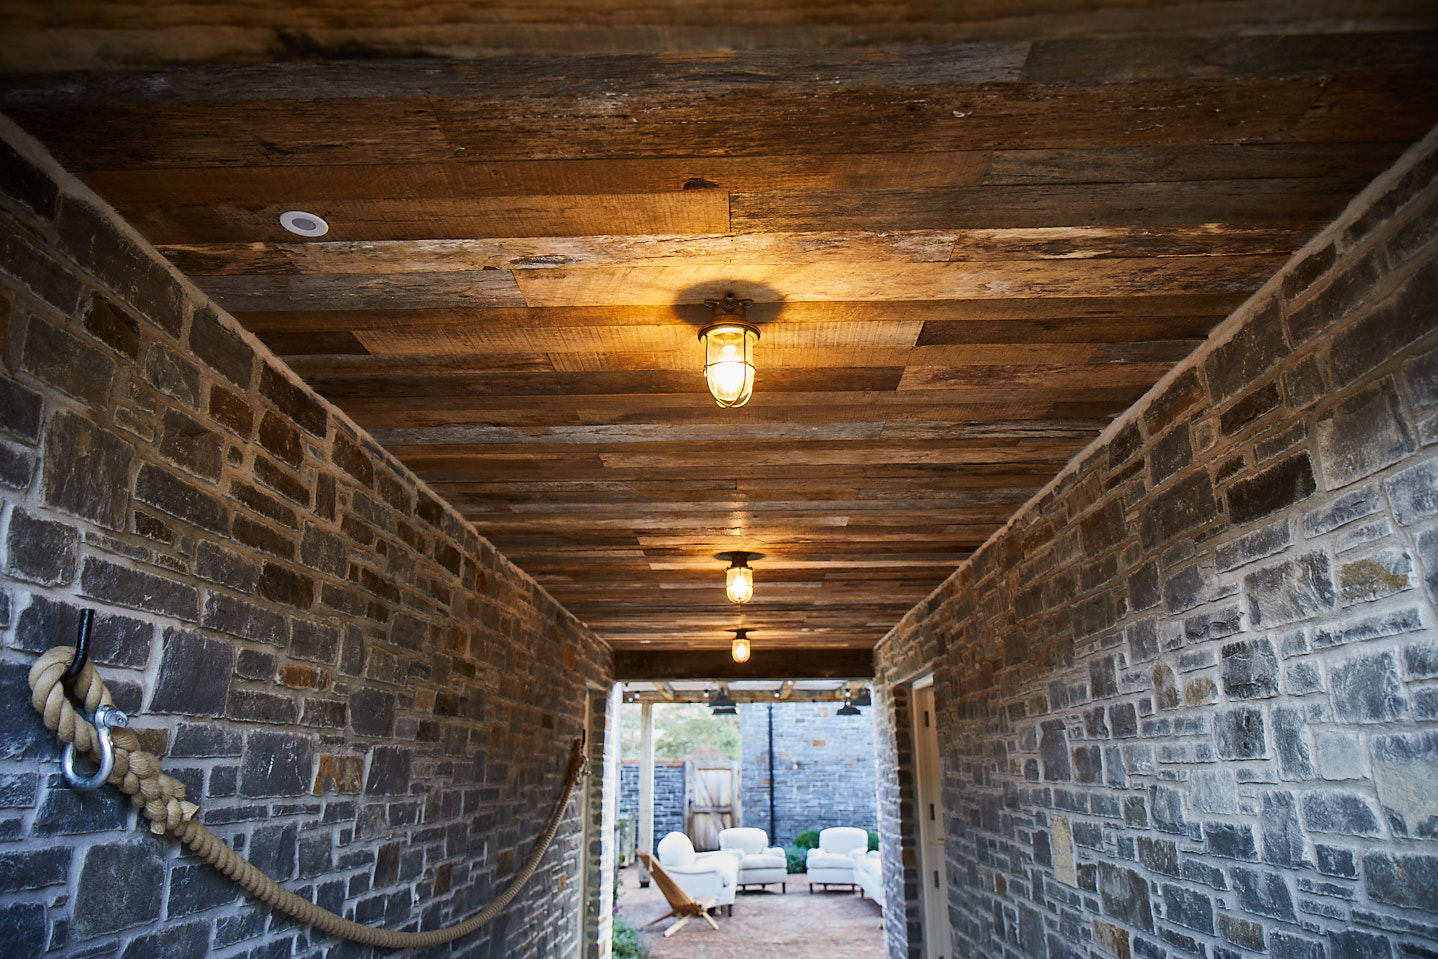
(974, 234)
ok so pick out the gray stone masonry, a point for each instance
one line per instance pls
(823, 768)
(1188, 698)
(361, 695)
(670, 798)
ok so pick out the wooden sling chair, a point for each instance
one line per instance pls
(681, 904)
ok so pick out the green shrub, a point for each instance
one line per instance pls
(808, 839)
(628, 943)
(796, 859)
(873, 840)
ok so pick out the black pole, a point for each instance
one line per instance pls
(773, 824)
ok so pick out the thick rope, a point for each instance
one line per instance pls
(162, 799)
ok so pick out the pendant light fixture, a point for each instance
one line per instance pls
(729, 351)
(722, 704)
(739, 577)
(740, 648)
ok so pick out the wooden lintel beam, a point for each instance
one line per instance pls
(714, 664)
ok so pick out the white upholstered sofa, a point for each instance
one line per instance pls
(831, 864)
(869, 874)
(759, 862)
(704, 875)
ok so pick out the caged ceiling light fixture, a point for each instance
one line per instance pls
(741, 647)
(729, 351)
(739, 577)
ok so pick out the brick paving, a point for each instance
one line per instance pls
(765, 924)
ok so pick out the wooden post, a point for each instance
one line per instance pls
(646, 787)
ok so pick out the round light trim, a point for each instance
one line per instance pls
(301, 223)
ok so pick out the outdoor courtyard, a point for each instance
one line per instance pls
(794, 925)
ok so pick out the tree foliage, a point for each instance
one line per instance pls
(682, 731)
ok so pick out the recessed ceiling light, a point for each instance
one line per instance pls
(304, 224)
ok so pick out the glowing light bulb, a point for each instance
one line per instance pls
(739, 584)
(740, 649)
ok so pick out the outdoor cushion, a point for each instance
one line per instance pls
(759, 863)
(704, 875)
(831, 864)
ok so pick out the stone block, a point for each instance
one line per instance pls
(281, 438)
(1353, 630)
(191, 445)
(1188, 908)
(297, 404)
(1185, 589)
(1283, 837)
(1356, 944)
(223, 349)
(23, 927)
(1405, 773)
(348, 456)
(1231, 367)
(1277, 487)
(1414, 492)
(174, 376)
(86, 470)
(1170, 453)
(274, 850)
(1289, 946)
(1166, 810)
(372, 712)
(194, 675)
(170, 494)
(1290, 738)
(113, 326)
(1239, 733)
(1124, 895)
(258, 706)
(23, 181)
(344, 773)
(136, 589)
(1335, 861)
(70, 812)
(231, 411)
(20, 411)
(205, 741)
(1407, 880)
(1230, 841)
(105, 250)
(1259, 544)
(1263, 893)
(195, 888)
(40, 550)
(39, 272)
(275, 764)
(314, 642)
(190, 940)
(133, 875)
(1366, 689)
(1363, 434)
(1053, 751)
(1341, 756)
(225, 567)
(1288, 592)
(324, 552)
(1184, 506)
(284, 586)
(389, 772)
(1381, 333)
(237, 617)
(1250, 669)
(1332, 811)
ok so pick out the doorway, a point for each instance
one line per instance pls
(929, 778)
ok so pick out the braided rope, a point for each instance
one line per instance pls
(162, 800)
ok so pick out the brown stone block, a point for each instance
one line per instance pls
(346, 773)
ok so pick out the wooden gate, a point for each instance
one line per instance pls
(713, 792)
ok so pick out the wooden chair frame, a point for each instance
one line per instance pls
(681, 904)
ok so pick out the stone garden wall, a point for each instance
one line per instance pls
(823, 768)
(359, 692)
(1188, 698)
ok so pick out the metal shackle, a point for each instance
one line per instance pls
(105, 718)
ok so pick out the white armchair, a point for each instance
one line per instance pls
(869, 874)
(831, 864)
(759, 862)
(704, 875)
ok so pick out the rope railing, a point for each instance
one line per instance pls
(161, 799)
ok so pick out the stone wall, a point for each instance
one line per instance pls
(360, 694)
(1188, 698)
(823, 768)
(670, 798)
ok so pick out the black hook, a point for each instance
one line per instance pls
(82, 646)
